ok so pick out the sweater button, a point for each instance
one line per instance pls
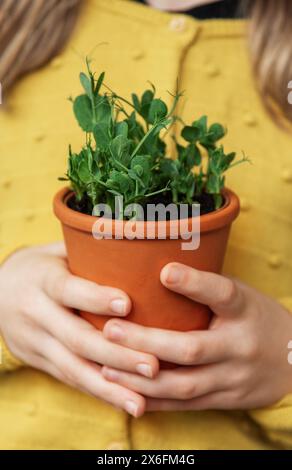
(29, 217)
(244, 204)
(212, 70)
(32, 409)
(249, 120)
(274, 261)
(287, 175)
(39, 137)
(6, 184)
(177, 24)
(115, 446)
(137, 54)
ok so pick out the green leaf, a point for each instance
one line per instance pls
(72, 167)
(213, 184)
(124, 182)
(147, 97)
(138, 169)
(136, 101)
(201, 124)
(144, 161)
(83, 112)
(118, 146)
(102, 135)
(190, 133)
(193, 156)
(146, 100)
(134, 176)
(217, 131)
(86, 83)
(141, 165)
(157, 111)
(158, 127)
(135, 130)
(119, 181)
(180, 150)
(89, 157)
(169, 167)
(215, 160)
(83, 171)
(99, 83)
(103, 110)
(227, 160)
(121, 128)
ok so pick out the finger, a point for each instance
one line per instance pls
(220, 293)
(87, 342)
(183, 383)
(28, 350)
(36, 358)
(184, 348)
(57, 249)
(86, 376)
(222, 400)
(75, 292)
(41, 363)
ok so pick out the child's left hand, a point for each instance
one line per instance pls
(241, 362)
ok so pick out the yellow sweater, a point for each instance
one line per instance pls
(211, 60)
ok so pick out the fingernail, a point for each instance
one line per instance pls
(115, 332)
(118, 306)
(173, 275)
(132, 408)
(144, 369)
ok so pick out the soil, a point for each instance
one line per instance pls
(205, 200)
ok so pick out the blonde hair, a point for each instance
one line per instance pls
(33, 31)
(270, 45)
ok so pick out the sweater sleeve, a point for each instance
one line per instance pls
(8, 362)
(287, 303)
(276, 421)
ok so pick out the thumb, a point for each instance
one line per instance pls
(223, 295)
(56, 249)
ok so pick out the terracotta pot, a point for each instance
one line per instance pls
(134, 265)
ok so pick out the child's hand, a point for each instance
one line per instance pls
(239, 363)
(36, 295)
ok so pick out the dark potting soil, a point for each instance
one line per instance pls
(84, 205)
(205, 200)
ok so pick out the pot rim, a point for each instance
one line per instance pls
(83, 222)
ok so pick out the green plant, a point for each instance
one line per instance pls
(125, 154)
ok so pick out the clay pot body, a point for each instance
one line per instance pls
(135, 265)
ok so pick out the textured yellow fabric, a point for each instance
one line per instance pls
(7, 361)
(275, 422)
(210, 59)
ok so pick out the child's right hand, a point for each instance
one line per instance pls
(37, 293)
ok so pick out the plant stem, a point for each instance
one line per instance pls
(242, 160)
(143, 140)
(157, 192)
